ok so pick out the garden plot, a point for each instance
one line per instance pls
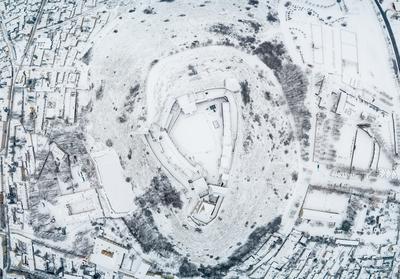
(376, 220)
(350, 46)
(323, 210)
(366, 151)
(77, 208)
(326, 201)
(349, 57)
(345, 145)
(318, 48)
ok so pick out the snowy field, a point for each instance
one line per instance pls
(199, 137)
(263, 168)
(213, 139)
(259, 157)
(119, 193)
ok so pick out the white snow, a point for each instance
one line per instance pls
(119, 192)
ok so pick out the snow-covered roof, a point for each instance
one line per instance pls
(204, 212)
(107, 254)
(323, 216)
(187, 104)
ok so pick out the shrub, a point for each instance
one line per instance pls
(245, 92)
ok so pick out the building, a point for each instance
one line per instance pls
(107, 255)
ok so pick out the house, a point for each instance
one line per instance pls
(107, 255)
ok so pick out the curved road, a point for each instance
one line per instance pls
(391, 35)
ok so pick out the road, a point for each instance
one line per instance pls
(391, 35)
(14, 74)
